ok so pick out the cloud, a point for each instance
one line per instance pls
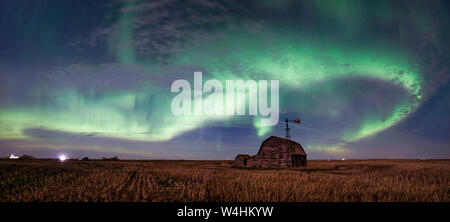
(159, 29)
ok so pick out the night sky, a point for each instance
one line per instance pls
(369, 79)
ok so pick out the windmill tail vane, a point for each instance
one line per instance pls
(296, 121)
(288, 135)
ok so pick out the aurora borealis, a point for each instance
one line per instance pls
(369, 79)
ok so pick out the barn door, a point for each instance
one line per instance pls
(296, 160)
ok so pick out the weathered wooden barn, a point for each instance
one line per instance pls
(274, 152)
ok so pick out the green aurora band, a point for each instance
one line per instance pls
(119, 114)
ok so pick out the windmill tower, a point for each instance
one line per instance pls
(288, 135)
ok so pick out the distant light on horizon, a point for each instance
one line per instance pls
(13, 157)
(62, 158)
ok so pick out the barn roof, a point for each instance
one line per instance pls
(279, 140)
(243, 156)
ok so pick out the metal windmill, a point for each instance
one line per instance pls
(288, 135)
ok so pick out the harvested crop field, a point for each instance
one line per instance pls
(168, 181)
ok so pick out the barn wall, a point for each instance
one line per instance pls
(272, 157)
(239, 163)
(269, 156)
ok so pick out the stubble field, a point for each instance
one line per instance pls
(168, 181)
